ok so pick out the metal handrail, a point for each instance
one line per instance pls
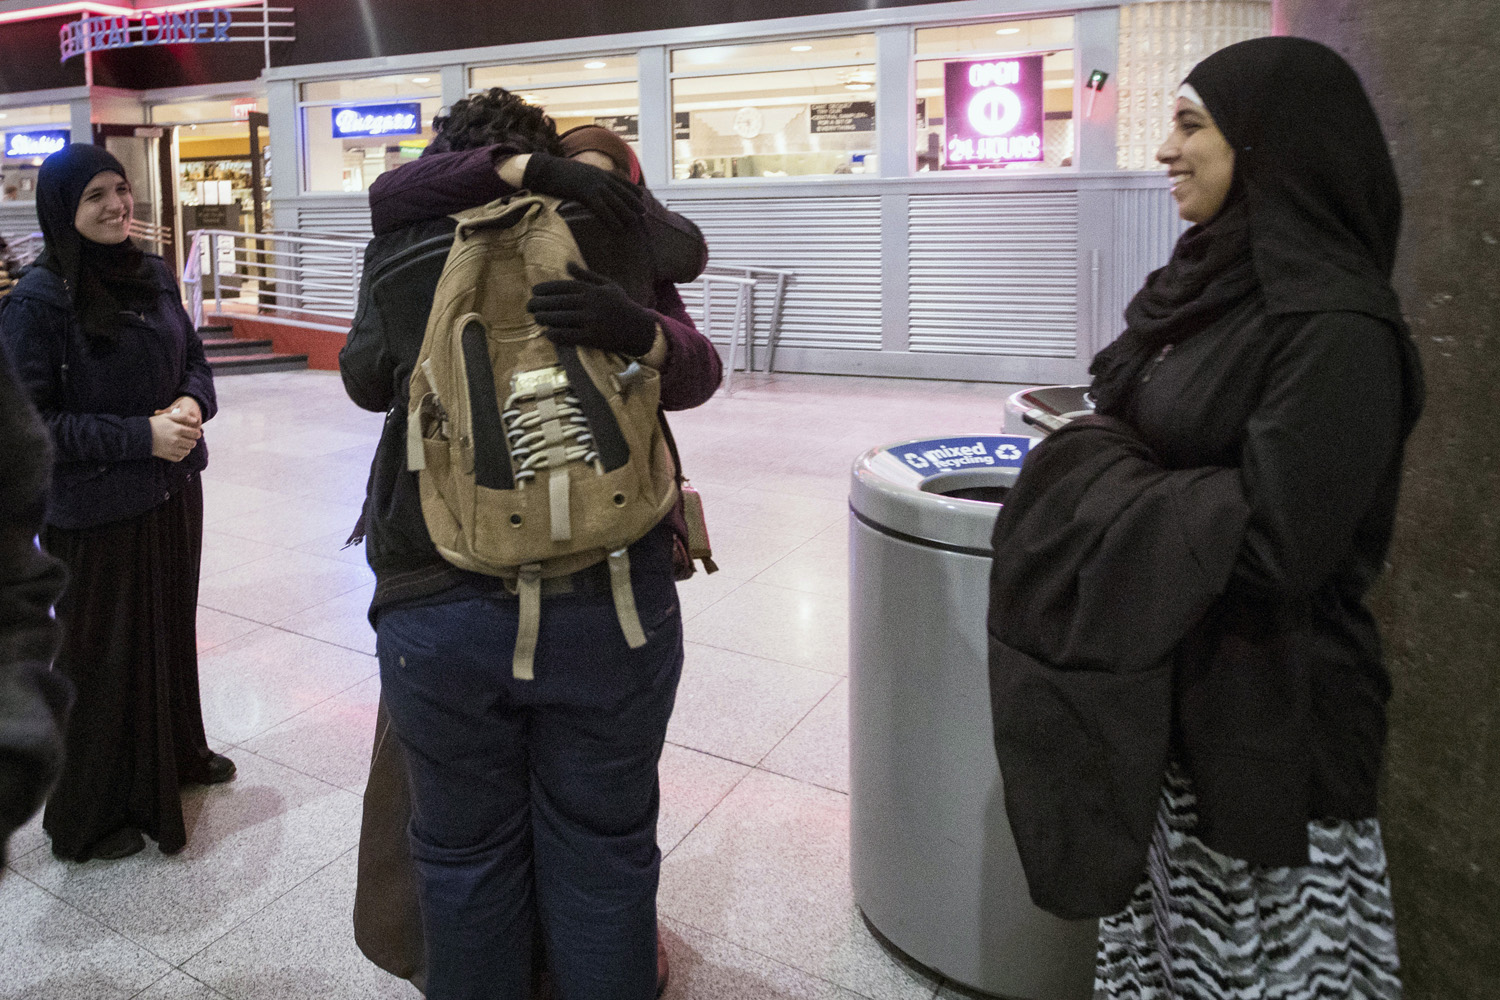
(302, 280)
(744, 308)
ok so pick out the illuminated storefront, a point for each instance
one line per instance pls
(960, 190)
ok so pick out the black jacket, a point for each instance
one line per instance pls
(33, 699)
(1278, 690)
(1104, 562)
(97, 395)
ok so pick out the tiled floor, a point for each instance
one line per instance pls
(755, 894)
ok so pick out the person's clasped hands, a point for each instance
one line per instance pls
(589, 310)
(175, 429)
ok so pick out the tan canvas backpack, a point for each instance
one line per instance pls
(533, 461)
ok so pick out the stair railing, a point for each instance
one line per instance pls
(301, 279)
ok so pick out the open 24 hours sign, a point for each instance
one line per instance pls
(993, 111)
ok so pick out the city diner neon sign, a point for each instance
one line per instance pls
(145, 28)
(35, 143)
(994, 111)
(377, 119)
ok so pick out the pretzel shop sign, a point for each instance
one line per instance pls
(994, 111)
(261, 24)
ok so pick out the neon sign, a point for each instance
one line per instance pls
(175, 27)
(377, 119)
(994, 111)
(36, 143)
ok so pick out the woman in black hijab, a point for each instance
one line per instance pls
(101, 342)
(1273, 344)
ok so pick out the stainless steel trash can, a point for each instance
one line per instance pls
(933, 864)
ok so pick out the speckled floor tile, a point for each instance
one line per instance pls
(692, 784)
(221, 552)
(810, 630)
(258, 681)
(217, 627)
(301, 947)
(818, 566)
(708, 968)
(343, 621)
(737, 706)
(51, 951)
(769, 870)
(279, 585)
(249, 841)
(330, 741)
(817, 751)
(178, 985)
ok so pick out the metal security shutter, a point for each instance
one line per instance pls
(995, 273)
(343, 220)
(832, 246)
(1146, 228)
(17, 219)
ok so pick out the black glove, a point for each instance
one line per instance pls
(611, 198)
(592, 311)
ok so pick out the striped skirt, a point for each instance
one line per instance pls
(1204, 926)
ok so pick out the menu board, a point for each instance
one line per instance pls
(627, 127)
(843, 116)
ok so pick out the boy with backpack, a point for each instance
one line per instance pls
(531, 699)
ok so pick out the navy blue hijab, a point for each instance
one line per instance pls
(102, 279)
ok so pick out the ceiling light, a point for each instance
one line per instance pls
(801, 48)
(857, 86)
(2, 114)
(421, 79)
(1008, 31)
(596, 64)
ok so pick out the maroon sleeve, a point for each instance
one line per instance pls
(693, 370)
(436, 185)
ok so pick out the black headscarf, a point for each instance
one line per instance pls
(1311, 222)
(101, 279)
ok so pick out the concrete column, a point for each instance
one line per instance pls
(1429, 68)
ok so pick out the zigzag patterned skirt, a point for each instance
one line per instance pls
(1204, 926)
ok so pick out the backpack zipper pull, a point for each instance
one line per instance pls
(1156, 362)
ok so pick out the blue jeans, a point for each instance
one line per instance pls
(535, 801)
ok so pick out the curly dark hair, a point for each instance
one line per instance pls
(495, 117)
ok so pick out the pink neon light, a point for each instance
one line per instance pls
(114, 10)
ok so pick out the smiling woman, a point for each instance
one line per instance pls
(1198, 158)
(105, 209)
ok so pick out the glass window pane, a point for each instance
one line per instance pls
(997, 36)
(789, 52)
(568, 71)
(616, 106)
(779, 124)
(424, 83)
(353, 163)
(933, 132)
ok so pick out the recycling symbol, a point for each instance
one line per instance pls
(1008, 453)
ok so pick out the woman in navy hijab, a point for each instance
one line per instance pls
(102, 344)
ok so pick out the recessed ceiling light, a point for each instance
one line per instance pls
(1008, 31)
(421, 79)
(801, 48)
(2, 114)
(596, 64)
(857, 86)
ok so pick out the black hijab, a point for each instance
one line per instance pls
(102, 280)
(1311, 222)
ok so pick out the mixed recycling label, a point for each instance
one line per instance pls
(977, 451)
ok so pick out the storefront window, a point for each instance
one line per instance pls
(580, 91)
(355, 130)
(997, 95)
(27, 137)
(796, 107)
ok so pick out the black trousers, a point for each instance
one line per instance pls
(129, 618)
